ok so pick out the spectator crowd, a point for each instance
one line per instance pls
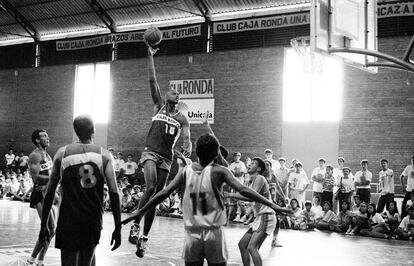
(341, 201)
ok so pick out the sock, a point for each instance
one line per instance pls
(40, 262)
(31, 259)
(145, 237)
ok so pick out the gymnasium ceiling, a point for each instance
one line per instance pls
(25, 20)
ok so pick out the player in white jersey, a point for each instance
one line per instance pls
(265, 221)
(203, 206)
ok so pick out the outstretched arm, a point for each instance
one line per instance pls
(158, 198)
(247, 192)
(187, 146)
(44, 235)
(155, 88)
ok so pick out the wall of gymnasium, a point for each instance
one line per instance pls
(377, 109)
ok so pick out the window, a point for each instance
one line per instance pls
(311, 97)
(92, 91)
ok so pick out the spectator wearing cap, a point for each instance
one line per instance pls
(328, 185)
(407, 181)
(386, 181)
(345, 187)
(238, 168)
(318, 176)
(362, 182)
(269, 156)
(282, 180)
(130, 170)
(338, 174)
(298, 183)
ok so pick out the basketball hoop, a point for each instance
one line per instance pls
(312, 62)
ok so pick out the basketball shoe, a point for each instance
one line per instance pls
(133, 234)
(141, 246)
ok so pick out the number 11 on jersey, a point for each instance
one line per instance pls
(203, 201)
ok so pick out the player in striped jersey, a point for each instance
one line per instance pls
(82, 168)
(167, 124)
(204, 213)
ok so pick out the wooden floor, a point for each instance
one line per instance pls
(19, 227)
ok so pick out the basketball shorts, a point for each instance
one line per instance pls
(35, 198)
(160, 161)
(205, 243)
(76, 240)
(264, 223)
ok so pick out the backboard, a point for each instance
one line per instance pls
(337, 25)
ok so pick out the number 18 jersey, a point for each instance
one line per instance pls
(202, 203)
(164, 132)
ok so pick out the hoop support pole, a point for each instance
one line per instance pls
(410, 48)
(399, 62)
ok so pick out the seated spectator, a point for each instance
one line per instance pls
(328, 185)
(328, 219)
(317, 208)
(11, 186)
(359, 221)
(410, 201)
(405, 230)
(290, 219)
(392, 217)
(306, 219)
(106, 200)
(376, 223)
(22, 193)
(2, 184)
(125, 200)
(345, 185)
(344, 218)
(357, 204)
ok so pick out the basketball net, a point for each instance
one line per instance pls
(312, 62)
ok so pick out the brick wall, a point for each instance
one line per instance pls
(378, 114)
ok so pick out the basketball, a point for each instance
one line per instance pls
(153, 36)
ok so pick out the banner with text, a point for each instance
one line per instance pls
(197, 109)
(262, 23)
(136, 36)
(395, 10)
(193, 88)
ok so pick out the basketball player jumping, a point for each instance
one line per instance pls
(203, 206)
(167, 122)
(40, 167)
(82, 168)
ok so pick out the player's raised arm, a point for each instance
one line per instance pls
(114, 198)
(34, 169)
(187, 146)
(247, 192)
(155, 88)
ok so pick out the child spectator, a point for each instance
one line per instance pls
(126, 199)
(405, 230)
(359, 221)
(410, 201)
(328, 221)
(392, 217)
(106, 201)
(306, 219)
(317, 208)
(344, 218)
(362, 182)
(290, 219)
(376, 223)
(345, 185)
(130, 169)
(22, 193)
(357, 204)
(298, 183)
(328, 185)
(268, 173)
(318, 176)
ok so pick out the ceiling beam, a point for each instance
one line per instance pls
(203, 9)
(102, 14)
(23, 22)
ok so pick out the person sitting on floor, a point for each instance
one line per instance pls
(329, 218)
(357, 204)
(377, 227)
(306, 219)
(290, 219)
(359, 221)
(392, 217)
(344, 217)
(125, 200)
(405, 230)
(22, 193)
(317, 208)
